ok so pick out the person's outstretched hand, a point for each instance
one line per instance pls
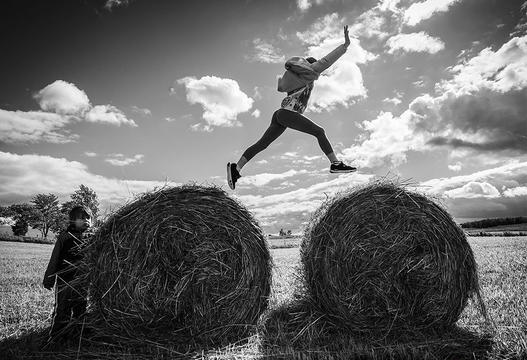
(346, 36)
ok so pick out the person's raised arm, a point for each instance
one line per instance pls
(328, 60)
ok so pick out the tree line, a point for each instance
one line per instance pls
(45, 213)
(485, 223)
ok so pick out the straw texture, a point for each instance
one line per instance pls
(180, 262)
(382, 258)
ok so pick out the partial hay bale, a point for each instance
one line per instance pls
(381, 258)
(177, 263)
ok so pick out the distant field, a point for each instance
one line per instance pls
(500, 228)
(25, 307)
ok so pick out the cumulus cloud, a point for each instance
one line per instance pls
(517, 191)
(221, 99)
(266, 178)
(33, 127)
(480, 109)
(477, 195)
(304, 5)
(394, 100)
(23, 176)
(142, 111)
(256, 113)
(455, 167)
(111, 4)
(265, 52)
(390, 138)
(108, 114)
(414, 42)
(63, 98)
(61, 103)
(420, 11)
(90, 154)
(472, 190)
(122, 160)
(296, 204)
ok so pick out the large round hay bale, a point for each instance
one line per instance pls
(384, 258)
(180, 262)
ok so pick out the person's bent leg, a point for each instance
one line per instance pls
(299, 122)
(271, 134)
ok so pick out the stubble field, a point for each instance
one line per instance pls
(25, 307)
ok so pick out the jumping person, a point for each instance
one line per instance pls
(297, 82)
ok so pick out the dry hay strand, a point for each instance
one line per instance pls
(380, 258)
(179, 263)
(298, 329)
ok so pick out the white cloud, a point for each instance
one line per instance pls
(517, 191)
(122, 160)
(304, 5)
(394, 100)
(256, 113)
(455, 167)
(329, 25)
(34, 126)
(170, 119)
(501, 71)
(480, 109)
(390, 138)
(303, 200)
(23, 176)
(221, 99)
(266, 178)
(389, 5)
(420, 11)
(476, 195)
(509, 174)
(414, 42)
(90, 154)
(265, 52)
(62, 104)
(108, 114)
(63, 98)
(472, 190)
(110, 4)
(142, 111)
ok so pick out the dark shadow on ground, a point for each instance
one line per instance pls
(82, 342)
(298, 331)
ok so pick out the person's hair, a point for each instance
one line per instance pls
(77, 210)
(311, 60)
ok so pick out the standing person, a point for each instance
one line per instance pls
(297, 82)
(61, 271)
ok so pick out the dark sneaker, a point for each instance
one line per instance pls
(340, 167)
(232, 175)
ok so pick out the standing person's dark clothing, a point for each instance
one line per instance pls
(70, 301)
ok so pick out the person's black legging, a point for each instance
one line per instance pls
(282, 119)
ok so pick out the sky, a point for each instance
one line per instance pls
(126, 96)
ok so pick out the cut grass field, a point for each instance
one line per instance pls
(25, 309)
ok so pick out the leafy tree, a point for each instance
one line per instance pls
(48, 214)
(20, 227)
(22, 214)
(83, 196)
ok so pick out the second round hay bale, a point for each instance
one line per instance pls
(383, 258)
(181, 261)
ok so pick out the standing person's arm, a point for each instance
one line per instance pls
(53, 265)
(328, 60)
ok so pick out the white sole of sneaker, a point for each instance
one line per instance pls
(229, 176)
(341, 171)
